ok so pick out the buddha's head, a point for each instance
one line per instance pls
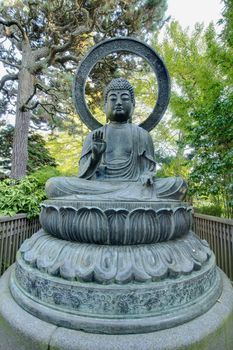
(119, 100)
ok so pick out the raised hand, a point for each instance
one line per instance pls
(98, 145)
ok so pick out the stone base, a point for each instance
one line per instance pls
(116, 308)
(22, 331)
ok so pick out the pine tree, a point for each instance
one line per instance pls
(42, 38)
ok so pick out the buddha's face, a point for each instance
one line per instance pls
(119, 106)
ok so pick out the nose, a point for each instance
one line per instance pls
(119, 101)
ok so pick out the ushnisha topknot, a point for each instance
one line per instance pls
(119, 84)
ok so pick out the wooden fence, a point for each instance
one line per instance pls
(218, 232)
(13, 231)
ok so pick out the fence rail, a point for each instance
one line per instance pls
(218, 232)
(13, 231)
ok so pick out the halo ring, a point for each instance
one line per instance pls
(114, 45)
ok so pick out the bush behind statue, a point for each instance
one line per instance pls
(25, 195)
(213, 210)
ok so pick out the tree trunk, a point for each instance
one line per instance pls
(22, 122)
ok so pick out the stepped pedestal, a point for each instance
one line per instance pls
(150, 282)
(23, 331)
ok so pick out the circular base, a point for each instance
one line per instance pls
(22, 331)
(114, 308)
(106, 264)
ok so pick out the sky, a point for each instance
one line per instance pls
(188, 12)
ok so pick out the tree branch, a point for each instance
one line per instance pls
(78, 31)
(38, 66)
(12, 23)
(61, 48)
(46, 89)
(44, 105)
(3, 41)
(84, 29)
(41, 52)
(41, 87)
(7, 78)
(9, 63)
(67, 58)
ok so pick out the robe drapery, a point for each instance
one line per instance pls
(118, 178)
(140, 159)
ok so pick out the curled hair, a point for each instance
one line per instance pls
(119, 84)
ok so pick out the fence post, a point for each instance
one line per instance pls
(218, 232)
(13, 231)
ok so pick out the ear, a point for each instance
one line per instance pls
(132, 110)
(105, 108)
(105, 111)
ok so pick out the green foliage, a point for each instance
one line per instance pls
(228, 21)
(212, 162)
(65, 146)
(20, 197)
(25, 196)
(173, 166)
(201, 106)
(6, 138)
(45, 173)
(214, 210)
(38, 154)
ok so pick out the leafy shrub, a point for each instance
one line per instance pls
(20, 196)
(25, 196)
(214, 210)
(44, 174)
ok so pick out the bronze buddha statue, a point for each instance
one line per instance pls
(117, 160)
